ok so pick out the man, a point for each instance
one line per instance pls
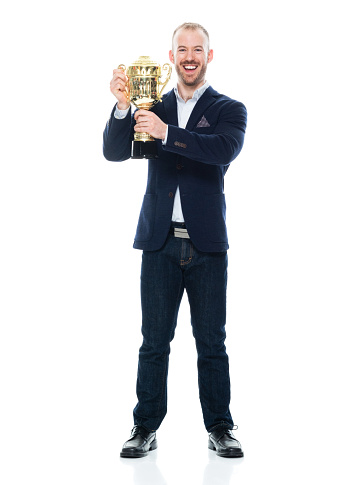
(182, 233)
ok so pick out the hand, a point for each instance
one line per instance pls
(117, 87)
(148, 122)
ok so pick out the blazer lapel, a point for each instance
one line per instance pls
(170, 106)
(206, 99)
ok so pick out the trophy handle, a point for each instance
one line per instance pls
(127, 90)
(165, 67)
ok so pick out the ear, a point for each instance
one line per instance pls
(210, 55)
(171, 57)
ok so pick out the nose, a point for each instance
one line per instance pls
(189, 55)
(189, 58)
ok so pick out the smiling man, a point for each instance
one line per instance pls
(182, 233)
(191, 57)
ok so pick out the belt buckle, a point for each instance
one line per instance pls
(181, 232)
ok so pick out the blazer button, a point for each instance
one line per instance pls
(179, 166)
(170, 194)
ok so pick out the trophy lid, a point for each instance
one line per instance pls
(144, 66)
(145, 61)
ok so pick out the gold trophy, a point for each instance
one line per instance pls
(143, 91)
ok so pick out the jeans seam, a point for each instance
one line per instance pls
(164, 380)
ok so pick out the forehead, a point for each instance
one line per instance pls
(190, 38)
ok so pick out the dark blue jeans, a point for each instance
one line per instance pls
(164, 276)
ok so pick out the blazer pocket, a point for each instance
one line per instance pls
(146, 219)
(215, 216)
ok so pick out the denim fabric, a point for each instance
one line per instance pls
(165, 274)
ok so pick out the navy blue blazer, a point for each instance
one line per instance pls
(195, 158)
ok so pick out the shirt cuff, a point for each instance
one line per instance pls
(165, 138)
(120, 114)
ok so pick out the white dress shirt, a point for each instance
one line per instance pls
(184, 110)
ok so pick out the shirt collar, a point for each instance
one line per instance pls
(197, 93)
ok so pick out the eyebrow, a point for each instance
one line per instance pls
(200, 46)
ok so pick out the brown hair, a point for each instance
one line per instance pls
(191, 26)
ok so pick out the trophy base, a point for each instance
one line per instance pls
(144, 149)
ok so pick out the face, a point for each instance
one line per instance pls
(191, 56)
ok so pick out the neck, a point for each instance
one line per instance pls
(186, 92)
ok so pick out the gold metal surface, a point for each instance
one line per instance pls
(144, 87)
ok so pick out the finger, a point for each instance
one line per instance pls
(121, 79)
(118, 71)
(141, 129)
(141, 113)
(143, 124)
(120, 84)
(117, 86)
(119, 75)
(142, 121)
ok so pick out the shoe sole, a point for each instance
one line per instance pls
(138, 454)
(229, 453)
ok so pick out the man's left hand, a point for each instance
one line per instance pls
(148, 122)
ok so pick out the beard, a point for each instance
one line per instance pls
(191, 80)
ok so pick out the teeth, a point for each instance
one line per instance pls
(190, 67)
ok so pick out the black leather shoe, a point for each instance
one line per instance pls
(140, 443)
(222, 440)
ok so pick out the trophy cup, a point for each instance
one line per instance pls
(143, 91)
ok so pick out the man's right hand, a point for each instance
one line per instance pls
(118, 88)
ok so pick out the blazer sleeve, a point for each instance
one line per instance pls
(218, 148)
(117, 137)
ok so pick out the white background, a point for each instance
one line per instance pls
(70, 306)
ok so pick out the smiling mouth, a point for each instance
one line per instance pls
(190, 68)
